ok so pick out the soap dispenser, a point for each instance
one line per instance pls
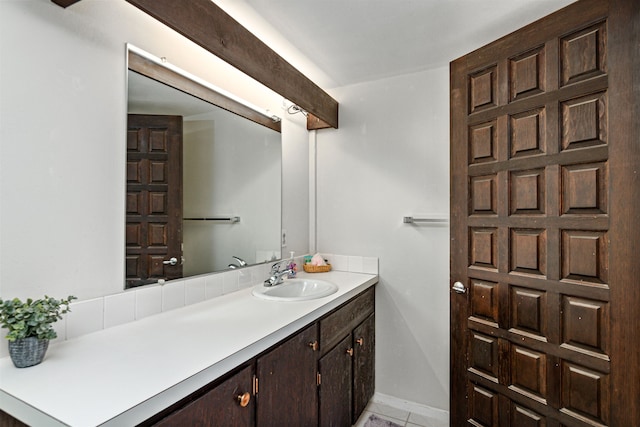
(293, 268)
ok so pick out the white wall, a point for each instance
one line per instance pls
(62, 133)
(390, 159)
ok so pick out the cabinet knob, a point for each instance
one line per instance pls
(360, 341)
(350, 352)
(243, 399)
(314, 345)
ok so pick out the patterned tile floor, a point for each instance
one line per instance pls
(399, 416)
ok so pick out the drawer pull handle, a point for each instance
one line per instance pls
(243, 399)
(314, 345)
(360, 341)
(350, 352)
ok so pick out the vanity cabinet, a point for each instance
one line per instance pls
(346, 366)
(322, 375)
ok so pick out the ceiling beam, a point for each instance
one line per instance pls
(314, 123)
(65, 3)
(207, 25)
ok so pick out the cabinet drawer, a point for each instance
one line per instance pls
(338, 324)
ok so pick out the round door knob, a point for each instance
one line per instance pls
(243, 399)
(459, 288)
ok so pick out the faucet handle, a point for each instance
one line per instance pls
(276, 267)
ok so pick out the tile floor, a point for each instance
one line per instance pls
(401, 417)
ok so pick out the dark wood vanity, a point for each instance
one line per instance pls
(321, 375)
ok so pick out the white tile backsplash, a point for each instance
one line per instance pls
(194, 290)
(230, 282)
(133, 304)
(60, 327)
(172, 295)
(213, 287)
(148, 301)
(355, 264)
(85, 317)
(119, 308)
(338, 262)
(4, 348)
(245, 278)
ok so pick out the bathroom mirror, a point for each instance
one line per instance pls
(203, 183)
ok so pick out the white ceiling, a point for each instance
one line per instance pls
(354, 41)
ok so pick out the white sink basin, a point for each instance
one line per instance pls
(296, 290)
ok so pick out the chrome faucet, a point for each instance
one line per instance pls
(241, 263)
(277, 275)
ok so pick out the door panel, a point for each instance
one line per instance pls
(533, 228)
(336, 387)
(154, 198)
(287, 393)
(364, 346)
(220, 406)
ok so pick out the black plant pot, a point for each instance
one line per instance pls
(27, 352)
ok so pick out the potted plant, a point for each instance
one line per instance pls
(29, 326)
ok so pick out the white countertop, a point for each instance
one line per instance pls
(125, 374)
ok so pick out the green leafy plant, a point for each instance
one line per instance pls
(32, 318)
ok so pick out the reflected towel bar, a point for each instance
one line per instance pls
(411, 220)
(217, 219)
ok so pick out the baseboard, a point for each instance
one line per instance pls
(416, 408)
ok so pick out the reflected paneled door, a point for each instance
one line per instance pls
(537, 165)
(154, 199)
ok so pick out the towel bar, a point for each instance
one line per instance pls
(217, 219)
(411, 220)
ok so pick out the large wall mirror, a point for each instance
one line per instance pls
(203, 176)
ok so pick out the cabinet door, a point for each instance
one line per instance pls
(287, 391)
(335, 388)
(363, 365)
(226, 405)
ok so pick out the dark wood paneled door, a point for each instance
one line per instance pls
(545, 223)
(154, 199)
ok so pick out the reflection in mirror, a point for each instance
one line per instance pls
(203, 183)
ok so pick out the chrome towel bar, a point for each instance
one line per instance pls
(217, 219)
(411, 220)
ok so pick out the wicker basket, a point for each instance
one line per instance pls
(317, 268)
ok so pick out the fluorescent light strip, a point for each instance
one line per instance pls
(162, 62)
